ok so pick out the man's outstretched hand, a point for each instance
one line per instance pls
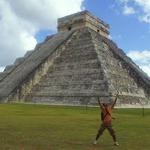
(116, 96)
(117, 93)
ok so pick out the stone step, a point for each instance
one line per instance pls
(78, 48)
(9, 68)
(75, 59)
(38, 45)
(19, 61)
(70, 93)
(76, 77)
(28, 53)
(68, 72)
(82, 45)
(3, 75)
(78, 51)
(62, 100)
(79, 64)
(75, 66)
(72, 87)
(80, 55)
(80, 82)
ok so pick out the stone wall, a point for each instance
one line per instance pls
(81, 20)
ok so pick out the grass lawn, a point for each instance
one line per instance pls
(42, 127)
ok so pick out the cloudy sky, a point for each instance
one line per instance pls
(24, 23)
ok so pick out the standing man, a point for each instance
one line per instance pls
(106, 117)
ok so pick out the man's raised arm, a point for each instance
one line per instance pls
(115, 100)
(101, 106)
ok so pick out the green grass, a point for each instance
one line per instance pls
(42, 127)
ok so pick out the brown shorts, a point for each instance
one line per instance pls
(106, 126)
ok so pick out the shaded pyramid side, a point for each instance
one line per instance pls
(122, 74)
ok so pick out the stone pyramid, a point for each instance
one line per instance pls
(76, 66)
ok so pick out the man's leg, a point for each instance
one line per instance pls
(112, 133)
(100, 132)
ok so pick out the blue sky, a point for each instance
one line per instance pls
(129, 22)
(126, 30)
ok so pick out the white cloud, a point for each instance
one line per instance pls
(15, 36)
(146, 68)
(127, 10)
(142, 58)
(116, 37)
(110, 37)
(145, 18)
(145, 5)
(124, 1)
(140, 55)
(2, 69)
(20, 20)
(44, 13)
(143, 12)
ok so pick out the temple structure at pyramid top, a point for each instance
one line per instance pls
(81, 20)
(76, 66)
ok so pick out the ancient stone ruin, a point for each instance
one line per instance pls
(76, 66)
